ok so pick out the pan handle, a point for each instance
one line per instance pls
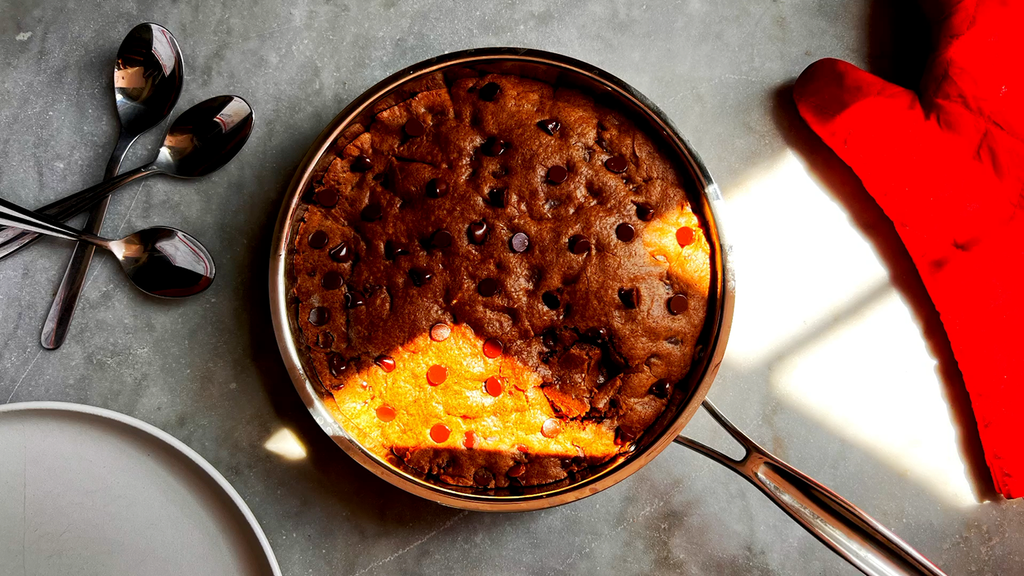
(840, 525)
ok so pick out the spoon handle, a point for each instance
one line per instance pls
(62, 309)
(15, 238)
(14, 215)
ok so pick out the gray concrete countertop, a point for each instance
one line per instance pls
(837, 362)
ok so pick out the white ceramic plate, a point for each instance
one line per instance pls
(87, 491)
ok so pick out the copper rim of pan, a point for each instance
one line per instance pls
(607, 90)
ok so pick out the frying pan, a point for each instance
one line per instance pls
(837, 523)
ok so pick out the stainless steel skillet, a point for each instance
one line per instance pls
(837, 523)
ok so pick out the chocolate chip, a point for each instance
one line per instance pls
(596, 335)
(414, 128)
(625, 232)
(361, 163)
(331, 281)
(487, 287)
(327, 198)
(685, 236)
(492, 348)
(319, 316)
(436, 375)
(677, 304)
(645, 211)
(440, 433)
(393, 250)
(477, 232)
(494, 146)
(318, 239)
(579, 244)
(550, 126)
(490, 91)
(519, 242)
(551, 300)
(341, 253)
(354, 299)
(440, 332)
(336, 364)
(549, 338)
(660, 389)
(441, 239)
(372, 212)
(325, 339)
(420, 276)
(386, 413)
(616, 164)
(557, 174)
(436, 188)
(552, 427)
(498, 197)
(387, 363)
(630, 297)
(493, 385)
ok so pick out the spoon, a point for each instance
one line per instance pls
(160, 261)
(148, 76)
(204, 138)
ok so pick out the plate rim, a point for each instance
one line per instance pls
(166, 438)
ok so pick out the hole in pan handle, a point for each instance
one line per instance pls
(840, 525)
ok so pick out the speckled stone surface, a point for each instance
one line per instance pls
(844, 373)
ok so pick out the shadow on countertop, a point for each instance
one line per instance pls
(342, 481)
(900, 46)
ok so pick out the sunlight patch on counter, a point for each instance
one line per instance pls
(872, 382)
(827, 262)
(838, 342)
(286, 444)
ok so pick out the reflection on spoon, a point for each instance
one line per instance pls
(165, 49)
(130, 77)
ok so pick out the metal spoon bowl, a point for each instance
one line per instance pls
(164, 262)
(148, 75)
(160, 261)
(201, 140)
(205, 137)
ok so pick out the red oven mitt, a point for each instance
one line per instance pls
(946, 164)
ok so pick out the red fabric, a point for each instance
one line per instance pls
(946, 164)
